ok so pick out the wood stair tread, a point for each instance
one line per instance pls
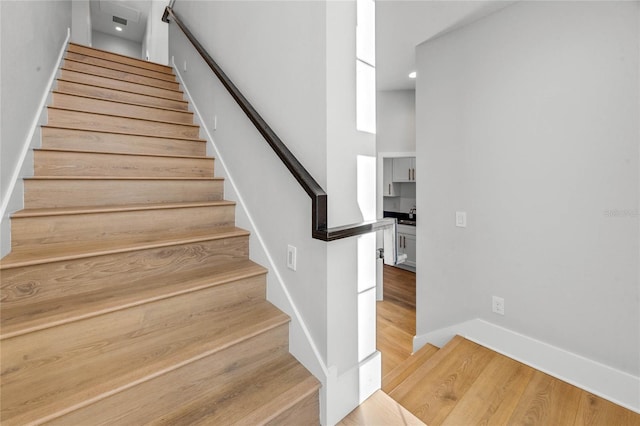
(176, 123)
(123, 178)
(64, 68)
(59, 211)
(93, 60)
(17, 258)
(243, 401)
(77, 48)
(127, 360)
(133, 94)
(20, 315)
(80, 151)
(115, 101)
(280, 384)
(406, 368)
(116, 70)
(49, 126)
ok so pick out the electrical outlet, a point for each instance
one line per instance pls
(498, 305)
(292, 254)
(461, 219)
(185, 66)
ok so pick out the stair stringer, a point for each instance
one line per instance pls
(14, 198)
(301, 343)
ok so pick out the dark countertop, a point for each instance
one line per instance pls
(403, 218)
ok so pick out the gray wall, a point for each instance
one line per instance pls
(396, 121)
(528, 121)
(32, 35)
(118, 45)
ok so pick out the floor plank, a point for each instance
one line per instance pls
(380, 410)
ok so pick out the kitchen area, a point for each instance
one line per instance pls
(399, 202)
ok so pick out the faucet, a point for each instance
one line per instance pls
(412, 212)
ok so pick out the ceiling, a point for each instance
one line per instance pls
(403, 24)
(134, 11)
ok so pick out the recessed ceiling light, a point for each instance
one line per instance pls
(412, 74)
(118, 28)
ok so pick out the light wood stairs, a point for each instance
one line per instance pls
(129, 296)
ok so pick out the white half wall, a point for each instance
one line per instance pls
(528, 120)
(155, 45)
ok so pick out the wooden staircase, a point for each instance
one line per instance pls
(128, 296)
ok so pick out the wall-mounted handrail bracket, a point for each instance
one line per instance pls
(318, 196)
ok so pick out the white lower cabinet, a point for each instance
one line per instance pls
(406, 241)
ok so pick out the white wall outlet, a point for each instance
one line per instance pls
(497, 305)
(215, 122)
(292, 254)
(461, 219)
(185, 66)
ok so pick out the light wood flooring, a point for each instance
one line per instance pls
(465, 383)
(396, 317)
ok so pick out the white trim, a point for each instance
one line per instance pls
(254, 229)
(609, 383)
(34, 125)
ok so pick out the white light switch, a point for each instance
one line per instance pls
(292, 253)
(461, 219)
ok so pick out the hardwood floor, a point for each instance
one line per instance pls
(465, 383)
(396, 317)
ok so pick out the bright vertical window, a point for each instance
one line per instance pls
(365, 66)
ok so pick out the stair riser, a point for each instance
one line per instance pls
(305, 412)
(56, 368)
(70, 193)
(118, 95)
(119, 66)
(109, 123)
(34, 232)
(54, 163)
(95, 80)
(119, 75)
(64, 100)
(118, 58)
(45, 283)
(85, 140)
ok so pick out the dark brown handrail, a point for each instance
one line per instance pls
(318, 196)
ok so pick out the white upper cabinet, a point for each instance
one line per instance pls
(404, 169)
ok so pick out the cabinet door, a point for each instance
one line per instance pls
(409, 242)
(404, 169)
(388, 188)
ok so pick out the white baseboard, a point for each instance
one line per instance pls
(609, 383)
(14, 198)
(352, 387)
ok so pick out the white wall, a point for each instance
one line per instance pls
(301, 79)
(528, 120)
(155, 45)
(396, 121)
(32, 35)
(118, 45)
(81, 22)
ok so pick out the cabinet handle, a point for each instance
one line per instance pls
(414, 174)
(389, 189)
(409, 170)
